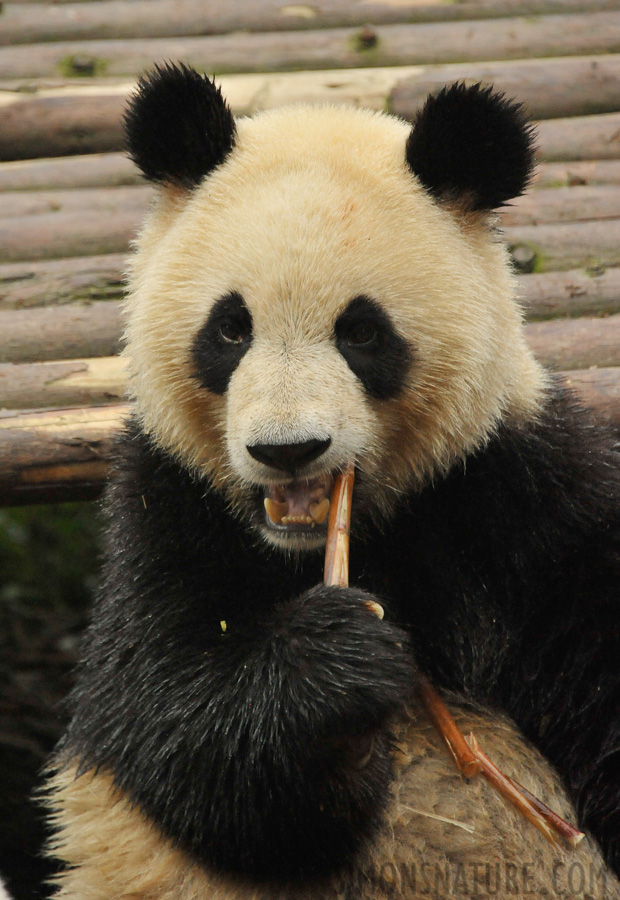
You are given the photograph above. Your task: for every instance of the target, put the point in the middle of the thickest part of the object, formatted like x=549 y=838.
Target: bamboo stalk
x=339 y=523
x=469 y=759
x=446 y=727
x=327 y=48
x=25 y=22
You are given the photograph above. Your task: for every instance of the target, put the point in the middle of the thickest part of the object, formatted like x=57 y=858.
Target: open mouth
x=299 y=506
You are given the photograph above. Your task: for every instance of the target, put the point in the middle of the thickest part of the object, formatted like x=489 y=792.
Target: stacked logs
x=70 y=202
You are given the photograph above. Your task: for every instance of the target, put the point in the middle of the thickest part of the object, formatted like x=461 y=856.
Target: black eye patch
x=222 y=342
x=372 y=348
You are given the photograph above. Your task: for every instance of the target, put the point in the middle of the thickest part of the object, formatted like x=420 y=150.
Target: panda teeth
x=319 y=510
x=297 y=520
x=275 y=510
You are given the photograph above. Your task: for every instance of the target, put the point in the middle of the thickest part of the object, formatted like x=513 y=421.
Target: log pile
x=70 y=202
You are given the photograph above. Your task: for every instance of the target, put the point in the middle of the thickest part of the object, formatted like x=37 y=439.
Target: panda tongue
x=299 y=502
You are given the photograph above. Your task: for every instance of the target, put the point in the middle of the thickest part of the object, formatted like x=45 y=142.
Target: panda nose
x=288 y=457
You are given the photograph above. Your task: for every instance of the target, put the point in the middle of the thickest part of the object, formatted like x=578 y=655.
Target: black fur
x=237 y=742
x=222 y=342
x=178 y=126
x=372 y=347
x=471 y=145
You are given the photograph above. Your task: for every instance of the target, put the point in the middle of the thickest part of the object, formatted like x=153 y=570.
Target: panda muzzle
x=299 y=504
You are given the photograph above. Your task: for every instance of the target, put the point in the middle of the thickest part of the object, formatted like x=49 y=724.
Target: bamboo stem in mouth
x=468 y=757
x=336 y=571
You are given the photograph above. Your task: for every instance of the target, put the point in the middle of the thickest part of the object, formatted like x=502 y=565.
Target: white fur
x=314 y=206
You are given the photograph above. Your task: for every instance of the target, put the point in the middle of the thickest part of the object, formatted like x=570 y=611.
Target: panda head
x=317 y=285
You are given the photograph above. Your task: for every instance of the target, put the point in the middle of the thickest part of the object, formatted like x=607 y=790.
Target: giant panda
x=316 y=286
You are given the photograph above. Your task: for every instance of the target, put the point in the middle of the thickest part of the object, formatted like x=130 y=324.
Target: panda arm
x=247 y=715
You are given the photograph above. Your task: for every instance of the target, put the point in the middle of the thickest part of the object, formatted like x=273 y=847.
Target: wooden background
x=70 y=202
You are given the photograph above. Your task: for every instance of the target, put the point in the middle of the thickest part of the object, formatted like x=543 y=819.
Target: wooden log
x=93 y=330
x=116 y=170
x=62 y=383
x=600 y=390
x=60 y=333
x=27 y=23
x=563 y=204
x=576 y=343
x=92 y=171
x=43 y=125
x=579 y=203
x=559 y=344
x=60 y=281
x=102 y=201
x=539 y=248
x=52 y=235
x=565 y=174
x=56 y=455
x=79 y=120
x=331 y=48
x=549 y=88
x=61 y=454
x=578 y=292
x=581 y=137
x=545 y=248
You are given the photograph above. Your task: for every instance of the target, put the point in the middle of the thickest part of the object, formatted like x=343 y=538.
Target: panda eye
x=233 y=332
x=361 y=334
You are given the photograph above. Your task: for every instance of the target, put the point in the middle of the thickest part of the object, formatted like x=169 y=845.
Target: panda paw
x=352 y=669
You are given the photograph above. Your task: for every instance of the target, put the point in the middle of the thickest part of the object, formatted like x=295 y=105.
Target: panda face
x=309 y=304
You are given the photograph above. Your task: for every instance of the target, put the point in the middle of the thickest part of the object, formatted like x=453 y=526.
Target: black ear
x=472 y=145
x=178 y=126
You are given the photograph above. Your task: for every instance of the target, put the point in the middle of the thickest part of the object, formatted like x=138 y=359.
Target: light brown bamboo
x=336 y=572
x=329 y=48
x=29 y=22
x=61 y=281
